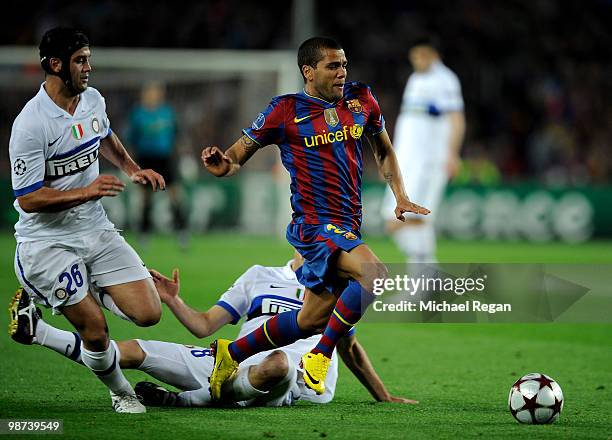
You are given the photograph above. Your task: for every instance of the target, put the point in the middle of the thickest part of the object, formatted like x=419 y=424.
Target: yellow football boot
x=315 y=371
x=225 y=367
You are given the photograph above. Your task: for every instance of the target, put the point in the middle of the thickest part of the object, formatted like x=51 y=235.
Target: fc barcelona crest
x=354 y=105
x=331 y=117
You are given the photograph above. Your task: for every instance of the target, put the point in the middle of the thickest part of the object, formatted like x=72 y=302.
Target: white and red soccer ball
x=535 y=399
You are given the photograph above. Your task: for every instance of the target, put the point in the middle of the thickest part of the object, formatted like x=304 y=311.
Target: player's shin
x=349 y=309
x=105 y=365
x=278 y=331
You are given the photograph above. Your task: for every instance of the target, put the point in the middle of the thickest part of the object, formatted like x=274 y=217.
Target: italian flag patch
x=77 y=131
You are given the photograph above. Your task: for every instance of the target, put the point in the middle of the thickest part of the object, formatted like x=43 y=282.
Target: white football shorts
x=57 y=273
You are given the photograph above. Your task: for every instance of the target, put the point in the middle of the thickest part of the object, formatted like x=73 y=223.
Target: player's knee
x=147 y=315
x=276 y=366
x=95 y=337
x=148 y=319
x=132 y=354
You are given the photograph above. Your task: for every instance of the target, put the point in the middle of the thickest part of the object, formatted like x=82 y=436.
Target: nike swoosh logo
x=316 y=382
x=298 y=120
x=272 y=286
x=68 y=347
x=51 y=143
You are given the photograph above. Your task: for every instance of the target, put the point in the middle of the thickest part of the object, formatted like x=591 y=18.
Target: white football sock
x=240 y=387
x=105 y=365
x=65 y=343
x=194 y=398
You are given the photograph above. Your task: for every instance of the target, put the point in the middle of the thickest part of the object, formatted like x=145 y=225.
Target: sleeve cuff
x=109 y=133
x=28 y=189
x=232 y=311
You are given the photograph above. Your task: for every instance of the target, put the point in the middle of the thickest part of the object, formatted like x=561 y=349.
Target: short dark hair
x=429 y=40
x=61 y=42
x=310 y=51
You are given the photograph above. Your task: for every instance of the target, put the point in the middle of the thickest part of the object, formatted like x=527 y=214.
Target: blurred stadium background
x=535 y=76
x=535 y=187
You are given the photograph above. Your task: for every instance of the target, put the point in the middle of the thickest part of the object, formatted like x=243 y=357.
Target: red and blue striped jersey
x=321 y=147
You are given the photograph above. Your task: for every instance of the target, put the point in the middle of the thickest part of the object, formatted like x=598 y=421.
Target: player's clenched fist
x=105 y=185
x=216 y=161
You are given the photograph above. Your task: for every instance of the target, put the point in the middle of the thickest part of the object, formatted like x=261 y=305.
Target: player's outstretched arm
x=53 y=200
x=356 y=359
x=228 y=163
x=113 y=150
x=200 y=324
x=389 y=168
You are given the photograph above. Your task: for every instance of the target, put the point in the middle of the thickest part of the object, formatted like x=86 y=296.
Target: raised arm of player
x=114 y=151
x=389 y=168
x=227 y=163
x=356 y=359
x=200 y=324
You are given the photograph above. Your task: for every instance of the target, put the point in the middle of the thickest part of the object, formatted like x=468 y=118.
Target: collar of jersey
x=319 y=99
x=53 y=109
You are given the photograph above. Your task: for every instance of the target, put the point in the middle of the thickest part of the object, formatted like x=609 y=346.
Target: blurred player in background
x=320 y=132
x=66 y=245
x=270 y=378
x=428 y=138
x=152 y=135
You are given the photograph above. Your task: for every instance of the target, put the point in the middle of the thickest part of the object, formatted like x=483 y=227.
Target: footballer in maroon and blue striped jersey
x=320 y=134
x=321 y=147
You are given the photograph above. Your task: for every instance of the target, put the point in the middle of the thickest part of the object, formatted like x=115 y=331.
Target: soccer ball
x=535 y=399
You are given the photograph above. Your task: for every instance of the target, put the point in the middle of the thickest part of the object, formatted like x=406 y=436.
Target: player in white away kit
x=428 y=137
x=271 y=378
x=66 y=246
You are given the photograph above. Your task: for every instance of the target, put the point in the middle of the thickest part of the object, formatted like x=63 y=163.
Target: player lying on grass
x=271 y=378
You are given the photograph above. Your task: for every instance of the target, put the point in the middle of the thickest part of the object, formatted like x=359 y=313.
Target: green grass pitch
x=461 y=373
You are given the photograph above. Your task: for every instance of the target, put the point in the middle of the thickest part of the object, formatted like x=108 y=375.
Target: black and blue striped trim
x=75 y=149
